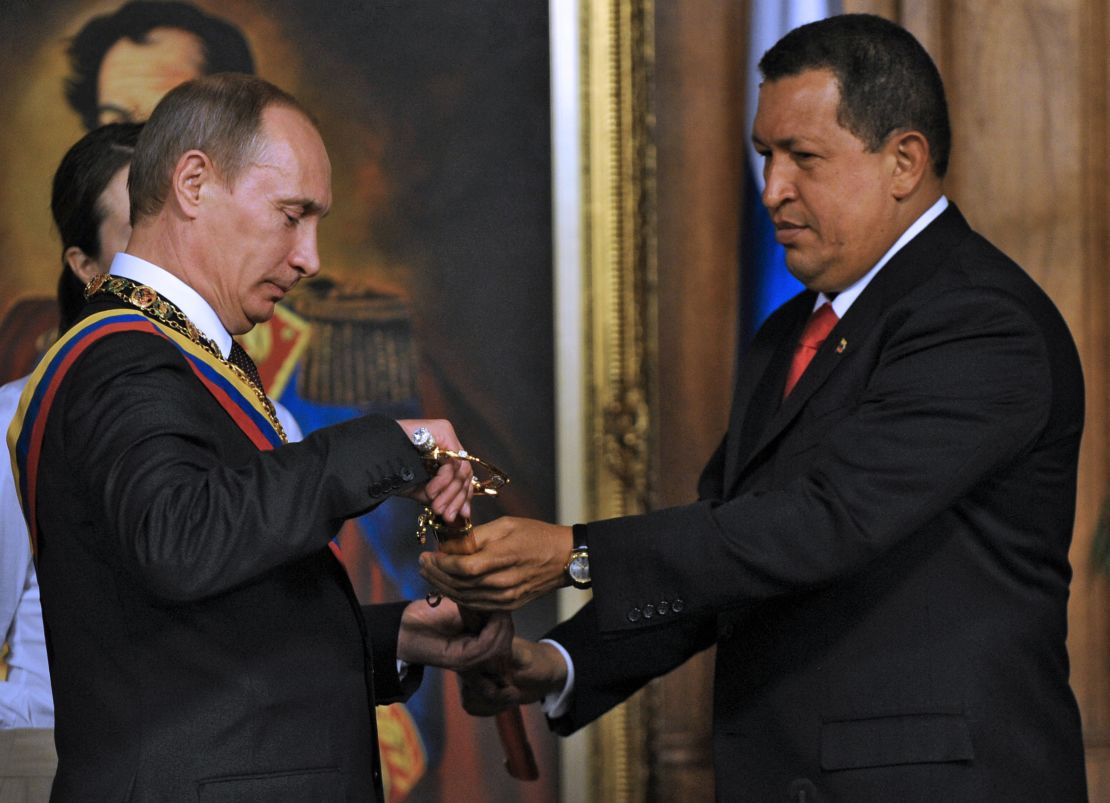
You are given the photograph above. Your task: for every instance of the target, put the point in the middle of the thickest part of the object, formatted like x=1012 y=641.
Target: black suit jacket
x=881 y=559
x=204 y=641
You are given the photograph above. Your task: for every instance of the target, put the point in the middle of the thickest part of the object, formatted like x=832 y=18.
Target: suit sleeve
x=194 y=515
x=961 y=387
x=383 y=624
x=610 y=668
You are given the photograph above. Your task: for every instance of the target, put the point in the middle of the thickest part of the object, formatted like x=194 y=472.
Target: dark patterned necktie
x=241 y=360
x=820 y=323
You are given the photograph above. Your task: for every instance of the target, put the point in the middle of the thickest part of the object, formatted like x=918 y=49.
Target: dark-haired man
x=880 y=549
x=204 y=641
x=124 y=62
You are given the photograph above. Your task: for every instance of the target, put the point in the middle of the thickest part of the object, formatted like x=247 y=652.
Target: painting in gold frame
x=438 y=250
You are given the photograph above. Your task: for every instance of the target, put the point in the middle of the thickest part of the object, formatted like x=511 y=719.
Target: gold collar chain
x=147 y=301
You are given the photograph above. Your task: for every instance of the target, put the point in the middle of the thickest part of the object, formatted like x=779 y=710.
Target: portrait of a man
x=434 y=296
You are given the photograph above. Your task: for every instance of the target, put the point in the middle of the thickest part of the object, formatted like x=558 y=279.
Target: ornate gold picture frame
x=605 y=261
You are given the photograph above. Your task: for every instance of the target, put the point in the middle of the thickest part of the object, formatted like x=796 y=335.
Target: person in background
x=880 y=547
x=92 y=215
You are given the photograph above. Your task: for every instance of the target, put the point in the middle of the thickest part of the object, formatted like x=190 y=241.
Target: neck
x=917 y=203
x=163 y=242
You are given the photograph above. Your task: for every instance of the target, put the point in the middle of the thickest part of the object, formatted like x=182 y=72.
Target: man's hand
x=448 y=492
x=436 y=637
x=536 y=670
x=514 y=562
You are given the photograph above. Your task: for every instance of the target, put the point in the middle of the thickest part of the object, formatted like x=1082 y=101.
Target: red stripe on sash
x=242 y=420
x=83 y=340
x=39 y=427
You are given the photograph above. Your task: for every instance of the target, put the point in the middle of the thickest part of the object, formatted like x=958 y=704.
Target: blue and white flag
x=765 y=282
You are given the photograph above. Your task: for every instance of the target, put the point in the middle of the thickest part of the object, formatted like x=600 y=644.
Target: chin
x=813 y=277
x=262 y=311
x=800 y=272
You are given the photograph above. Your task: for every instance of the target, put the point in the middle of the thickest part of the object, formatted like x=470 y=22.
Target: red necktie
x=820 y=323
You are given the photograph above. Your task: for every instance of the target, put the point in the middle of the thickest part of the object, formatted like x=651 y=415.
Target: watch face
x=579 y=569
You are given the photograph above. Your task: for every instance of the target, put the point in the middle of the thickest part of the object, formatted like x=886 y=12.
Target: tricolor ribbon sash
x=26 y=433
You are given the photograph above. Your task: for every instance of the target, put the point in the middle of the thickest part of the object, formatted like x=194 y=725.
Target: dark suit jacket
x=881 y=559
x=204 y=641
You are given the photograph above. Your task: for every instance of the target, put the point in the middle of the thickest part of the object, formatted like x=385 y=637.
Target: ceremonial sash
x=26 y=433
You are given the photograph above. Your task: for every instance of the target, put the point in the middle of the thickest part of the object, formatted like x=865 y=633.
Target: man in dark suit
x=879 y=551
x=204 y=641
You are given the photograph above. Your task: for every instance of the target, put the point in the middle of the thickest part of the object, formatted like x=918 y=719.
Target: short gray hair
x=220 y=115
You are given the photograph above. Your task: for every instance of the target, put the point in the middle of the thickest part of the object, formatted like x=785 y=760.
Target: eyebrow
x=308 y=206
x=111 y=107
x=787 y=143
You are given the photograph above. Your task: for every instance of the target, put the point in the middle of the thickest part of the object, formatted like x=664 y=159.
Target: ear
x=194 y=170
x=83 y=266
x=910 y=151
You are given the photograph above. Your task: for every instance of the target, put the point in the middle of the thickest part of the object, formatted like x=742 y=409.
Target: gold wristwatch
x=577 y=569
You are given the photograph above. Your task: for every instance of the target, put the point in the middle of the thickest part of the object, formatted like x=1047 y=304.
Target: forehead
x=293 y=163
x=113 y=199
x=134 y=76
x=798 y=105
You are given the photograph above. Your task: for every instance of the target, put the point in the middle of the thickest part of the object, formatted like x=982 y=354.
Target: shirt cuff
x=555 y=705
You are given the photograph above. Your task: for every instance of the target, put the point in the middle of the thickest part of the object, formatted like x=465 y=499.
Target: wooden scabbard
x=520 y=761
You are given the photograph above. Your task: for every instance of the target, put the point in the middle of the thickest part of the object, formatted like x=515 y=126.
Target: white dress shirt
x=25 y=699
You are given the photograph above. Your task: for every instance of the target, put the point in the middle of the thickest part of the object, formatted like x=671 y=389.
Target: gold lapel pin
x=843 y=344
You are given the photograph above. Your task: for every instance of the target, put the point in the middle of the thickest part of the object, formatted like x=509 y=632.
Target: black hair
x=888 y=83
x=79 y=181
x=225 y=48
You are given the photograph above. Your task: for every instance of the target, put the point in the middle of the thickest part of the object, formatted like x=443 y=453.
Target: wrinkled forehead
x=808 y=99
x=292 y=150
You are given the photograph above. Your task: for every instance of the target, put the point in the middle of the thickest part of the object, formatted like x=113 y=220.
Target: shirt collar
x=188 y=300
x=845 y=298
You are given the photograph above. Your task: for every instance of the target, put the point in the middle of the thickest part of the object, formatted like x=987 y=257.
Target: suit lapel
x=762 y=374
x=761 y=419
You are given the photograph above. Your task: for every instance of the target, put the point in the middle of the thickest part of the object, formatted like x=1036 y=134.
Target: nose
x=305 y=256
x=778 y=182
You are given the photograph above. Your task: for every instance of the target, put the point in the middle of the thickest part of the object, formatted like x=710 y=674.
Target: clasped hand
x=515 y=561
x=437 y=636
x=535 y=671
x=448 y=492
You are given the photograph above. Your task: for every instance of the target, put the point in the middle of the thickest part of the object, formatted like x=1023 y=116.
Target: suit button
x=663 y=607
x=678 y=605
x=649 y=611
x=634 y=615
x=395 y=482
x=801 y=790
x=406 y=474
